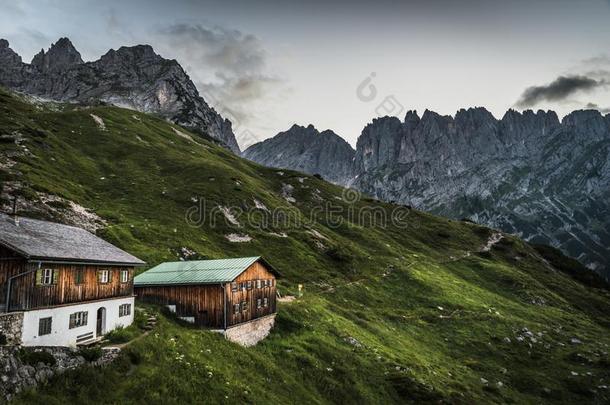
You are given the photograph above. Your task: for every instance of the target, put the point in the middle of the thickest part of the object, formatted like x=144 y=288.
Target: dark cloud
x=229 y=67
x=558 y=90
x=593 y=106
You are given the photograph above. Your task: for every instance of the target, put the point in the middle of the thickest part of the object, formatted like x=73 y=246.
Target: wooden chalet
x=67 y=285
x=216 y=294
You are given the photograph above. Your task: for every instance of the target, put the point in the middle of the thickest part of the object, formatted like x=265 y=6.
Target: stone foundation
x=250 y=333
x=11 y=327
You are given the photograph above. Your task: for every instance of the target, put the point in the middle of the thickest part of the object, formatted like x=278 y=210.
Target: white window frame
x=124 y=276
x=124 y=310
x=47 y=277
x=80 y=319
x=258 y=284
x=259 y=303
x=104 y=276
x=265 y=302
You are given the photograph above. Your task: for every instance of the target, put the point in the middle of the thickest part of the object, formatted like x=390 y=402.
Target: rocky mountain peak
x=131 y=55
x=60 y=55
x=589 y=123
x=131 y=77
x=8 y=57
x=307 y=150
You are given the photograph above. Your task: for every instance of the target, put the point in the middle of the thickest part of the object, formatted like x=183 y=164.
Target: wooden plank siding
x=202 y=302
x=256 y=271
x=10 y=265
x=25 y=294
x=206 y=303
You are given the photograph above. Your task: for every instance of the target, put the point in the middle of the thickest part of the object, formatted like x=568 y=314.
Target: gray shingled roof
x=42 y=240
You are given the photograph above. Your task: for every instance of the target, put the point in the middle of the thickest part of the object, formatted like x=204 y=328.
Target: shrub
x=134 y=357
x=120 y=335
x=91 y=353
x=33 y=357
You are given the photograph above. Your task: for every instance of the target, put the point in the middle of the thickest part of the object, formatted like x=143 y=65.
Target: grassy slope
x=428 y=327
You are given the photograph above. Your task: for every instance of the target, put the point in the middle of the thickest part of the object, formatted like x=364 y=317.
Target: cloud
x=559 y=89
x=593 y=106
x=228 y=66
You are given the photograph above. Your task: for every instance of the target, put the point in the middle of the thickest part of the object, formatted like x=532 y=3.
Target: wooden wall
x=26 y=295
x=206 y=302
x=10 y=265
x=203 y=302
x=257 y=271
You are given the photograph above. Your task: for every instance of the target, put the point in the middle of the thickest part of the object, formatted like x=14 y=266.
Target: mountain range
x=131 y=77
x=530 y=174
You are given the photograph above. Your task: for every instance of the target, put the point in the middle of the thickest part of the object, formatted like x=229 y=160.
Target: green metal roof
x=197 y=271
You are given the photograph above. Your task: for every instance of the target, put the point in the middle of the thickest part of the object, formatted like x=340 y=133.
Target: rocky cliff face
x=306 y=150
x=527 y=173
x=133 y=77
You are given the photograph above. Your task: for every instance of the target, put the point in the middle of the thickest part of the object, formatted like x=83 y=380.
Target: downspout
x=10 y=281
x=224 y=295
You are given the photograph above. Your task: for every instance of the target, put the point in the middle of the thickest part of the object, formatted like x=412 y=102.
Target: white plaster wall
x=61 y=334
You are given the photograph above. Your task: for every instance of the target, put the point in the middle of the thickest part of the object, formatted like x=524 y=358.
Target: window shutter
x=109 y=276
x=39 y=273
x=54 y=276
x=72 y=320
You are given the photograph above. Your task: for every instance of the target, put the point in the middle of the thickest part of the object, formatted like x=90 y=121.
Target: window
x=249 y=285
x=124 y=310
x=258 y=284
x=244 y=306
x=271 y=282
x=79 y=276
x=103 y=276
x=265 y=302
x=242 y=286
x=124 y=276
x=266 y=283
x=78 y=319
x=44 y=326
x=236 y=309
x=258 y=303
x=46 y=277
x=234 y=287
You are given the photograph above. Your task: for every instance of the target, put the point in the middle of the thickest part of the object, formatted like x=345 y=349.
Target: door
x=101 y=321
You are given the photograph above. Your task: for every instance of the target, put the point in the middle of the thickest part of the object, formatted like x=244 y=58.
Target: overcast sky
x=338 y=64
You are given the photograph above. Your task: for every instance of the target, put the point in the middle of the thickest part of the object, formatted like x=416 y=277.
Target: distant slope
x=528 y=174
x=306 y=150
x=419 y=309
x=132 y=77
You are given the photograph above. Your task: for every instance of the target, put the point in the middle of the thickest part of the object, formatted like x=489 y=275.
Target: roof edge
x=90 y=262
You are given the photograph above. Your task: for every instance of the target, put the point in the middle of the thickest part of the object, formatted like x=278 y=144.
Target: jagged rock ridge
x=307 y=150
x=132 y=77
x=528 y=173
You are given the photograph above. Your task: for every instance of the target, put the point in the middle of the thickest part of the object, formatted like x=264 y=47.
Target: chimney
x=14 y=216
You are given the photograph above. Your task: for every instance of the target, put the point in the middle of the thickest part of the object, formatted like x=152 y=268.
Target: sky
x=267 y=65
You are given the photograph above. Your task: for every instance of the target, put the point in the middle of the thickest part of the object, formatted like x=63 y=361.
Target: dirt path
x=493 y=239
